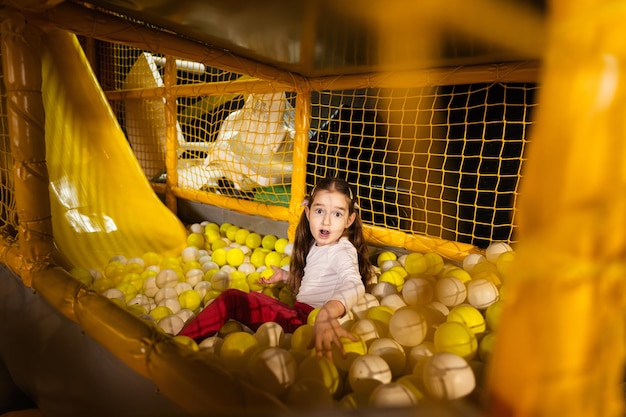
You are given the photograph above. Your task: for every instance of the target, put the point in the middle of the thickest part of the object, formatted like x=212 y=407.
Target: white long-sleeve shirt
x=331 y=273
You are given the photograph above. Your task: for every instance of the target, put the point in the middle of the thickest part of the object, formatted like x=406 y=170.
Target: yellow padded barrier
x=560 y=349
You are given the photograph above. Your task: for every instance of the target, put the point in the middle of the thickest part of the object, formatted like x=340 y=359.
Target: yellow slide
x=102 y=203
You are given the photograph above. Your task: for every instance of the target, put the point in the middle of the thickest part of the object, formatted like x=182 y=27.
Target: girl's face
x=329 y=216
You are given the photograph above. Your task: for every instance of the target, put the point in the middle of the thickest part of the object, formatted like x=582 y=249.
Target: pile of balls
x=424 y=329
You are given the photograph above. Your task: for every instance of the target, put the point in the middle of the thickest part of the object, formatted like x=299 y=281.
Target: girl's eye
x=318 y=211
x=338 y=214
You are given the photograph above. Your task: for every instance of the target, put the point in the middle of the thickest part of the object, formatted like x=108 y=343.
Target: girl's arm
x=328 y=331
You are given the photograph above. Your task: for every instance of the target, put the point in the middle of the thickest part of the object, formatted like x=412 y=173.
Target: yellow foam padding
x=102 y=204
x=560 y=347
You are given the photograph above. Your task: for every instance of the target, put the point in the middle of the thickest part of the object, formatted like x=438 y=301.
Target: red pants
x=249 y=308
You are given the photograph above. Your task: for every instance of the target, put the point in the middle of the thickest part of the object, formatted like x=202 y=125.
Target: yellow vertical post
x=22 y=78
x=171 y=138
x=300 y=151
x=560 y=343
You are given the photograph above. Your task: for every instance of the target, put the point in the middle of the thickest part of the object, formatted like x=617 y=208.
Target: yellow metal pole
x=300 y=150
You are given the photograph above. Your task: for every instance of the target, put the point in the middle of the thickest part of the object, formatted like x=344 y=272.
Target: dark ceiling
x=330 y=37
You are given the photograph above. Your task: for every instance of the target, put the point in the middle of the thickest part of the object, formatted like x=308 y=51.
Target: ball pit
x=420 y=317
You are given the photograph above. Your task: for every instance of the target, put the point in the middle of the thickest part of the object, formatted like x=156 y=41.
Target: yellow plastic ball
x=457 y=338
x=321 y=369
x=258 y=258
x=268 y=242
x=280 y=244
x=195 y=239
x=241 y=235
x=273 y=258
x=211 y=235
x=234 y=257
x=253 y=240
x=231 y=232
x=219 y=256
x=224 y=227
x=190 y=299
x=393 y=278
x=352 y=348
x=469 y=316
x=385 y=256
x=415 y=263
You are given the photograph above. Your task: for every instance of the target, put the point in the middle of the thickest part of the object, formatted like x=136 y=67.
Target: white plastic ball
x=202 y=288
x=171 y=303
x=481 y=293
x=388 y=264
x=448 y=376
x=140 y=299
x=207 y=266
x=496 y=249
x=185 y=314
x=114 y=293
x=382 y=289
x=163 y=293
x=363 y=304
x=247 y=268
x=471 y=260
x=181 y=287
x=392 y=395
x=211 y=344
x=366 y=329
x=171 y=324
x=367 y=372
x=194 y=276
x=393 y=301
x=166 y=278
x=190 y=254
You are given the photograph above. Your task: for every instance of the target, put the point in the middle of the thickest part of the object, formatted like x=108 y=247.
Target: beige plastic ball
x=408 y=327
x=392 y=352
x=270 y=334
x=366 y=329
x=393 y=301
x=450 y=291
x=273 y=370
x=417 y=291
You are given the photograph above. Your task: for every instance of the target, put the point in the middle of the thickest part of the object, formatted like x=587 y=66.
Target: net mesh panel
x=8 y=211
x=444 y=161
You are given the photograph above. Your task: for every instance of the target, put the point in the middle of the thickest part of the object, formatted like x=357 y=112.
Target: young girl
x=329 y=269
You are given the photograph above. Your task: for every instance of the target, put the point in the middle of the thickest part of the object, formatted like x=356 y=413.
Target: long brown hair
x=304 y=239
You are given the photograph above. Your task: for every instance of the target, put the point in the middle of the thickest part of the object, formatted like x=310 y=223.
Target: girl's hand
x=279 y=275
x=328 y=331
